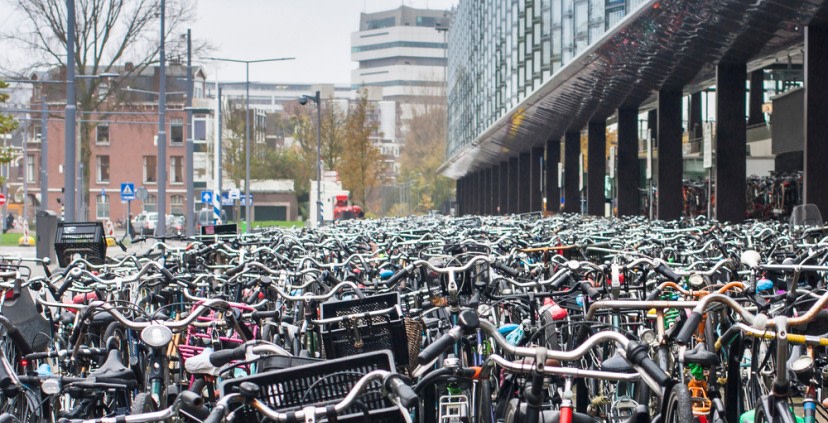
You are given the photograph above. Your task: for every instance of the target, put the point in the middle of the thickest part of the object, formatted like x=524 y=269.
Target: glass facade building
x=499 y=51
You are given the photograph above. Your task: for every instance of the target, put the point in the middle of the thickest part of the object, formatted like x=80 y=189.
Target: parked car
x=205 y=218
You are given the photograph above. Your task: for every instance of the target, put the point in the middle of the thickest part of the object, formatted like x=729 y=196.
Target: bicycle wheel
x=677 y=406
x=24 y=406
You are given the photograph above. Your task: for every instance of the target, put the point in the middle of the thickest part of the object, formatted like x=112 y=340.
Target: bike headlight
x=156 y=336
x=802 y=364
x=50 y=386
x=696 y=280
x=648 y=336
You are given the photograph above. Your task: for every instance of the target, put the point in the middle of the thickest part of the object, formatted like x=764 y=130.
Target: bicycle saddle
x=617 y=364
x=701 y=356
x=200 y=364
x=102 y=318
x=113 y=368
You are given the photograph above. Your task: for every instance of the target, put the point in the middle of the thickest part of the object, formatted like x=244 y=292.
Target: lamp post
x=70 y=112
x=247 y=63
x=316 y=99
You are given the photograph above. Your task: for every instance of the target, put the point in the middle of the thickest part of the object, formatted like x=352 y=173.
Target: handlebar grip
x=434 y=349
x=167 y=275
x=505 y=269
x=217 y=415
x=222 y=357
x=396 y=277
x=689 y=328
x=191 y=399
x=265 y=314
x=589 y=290
x=232 y=272
x=637 y=355
x=665 y=270
x=565 y=279
x=408 y=398
x=653 y=295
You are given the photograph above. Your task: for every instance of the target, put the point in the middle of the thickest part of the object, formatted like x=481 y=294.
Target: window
x=429 y=21
x=103 y=168
x=199 y=129
x=150 y=166
x=380 y=23
x=177 y=204
x=30 y=168
x=102 y=207
x=176 y=169
x=102 y=133
x=176 y=131
x=151 y=204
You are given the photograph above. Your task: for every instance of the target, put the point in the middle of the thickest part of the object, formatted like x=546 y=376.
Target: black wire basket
x=323 y=383
x=364 y=334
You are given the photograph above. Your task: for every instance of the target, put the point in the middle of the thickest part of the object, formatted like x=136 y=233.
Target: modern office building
x=531 y=81
x=401 y=56
x=501 y=51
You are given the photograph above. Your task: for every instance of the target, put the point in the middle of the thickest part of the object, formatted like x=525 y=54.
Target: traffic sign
x=206 y=197
x=2 y=199
x=234 y=194
x=142 y=194
x=127 y=191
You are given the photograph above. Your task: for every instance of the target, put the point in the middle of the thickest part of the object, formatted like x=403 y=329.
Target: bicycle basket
x=361 y=335
x=319 y=384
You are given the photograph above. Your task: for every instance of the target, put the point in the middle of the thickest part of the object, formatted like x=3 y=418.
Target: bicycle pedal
x=454 y=409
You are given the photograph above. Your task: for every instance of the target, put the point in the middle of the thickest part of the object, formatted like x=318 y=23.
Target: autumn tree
x=361 y=168
x=7 y=125
x=107 y=33
x=332 y=135
x=423 y=153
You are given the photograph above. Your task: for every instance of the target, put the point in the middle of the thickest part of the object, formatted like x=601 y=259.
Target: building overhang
x=662 y=45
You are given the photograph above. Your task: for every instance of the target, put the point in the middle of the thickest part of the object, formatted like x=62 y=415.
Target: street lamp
x=303 y=101
x=247 y=63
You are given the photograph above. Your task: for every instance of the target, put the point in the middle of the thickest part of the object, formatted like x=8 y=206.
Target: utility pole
x=71 y=111
x=161 y=227
x=189 y=218
x=44 y=154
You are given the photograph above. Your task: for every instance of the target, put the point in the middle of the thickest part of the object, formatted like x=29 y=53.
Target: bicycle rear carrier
x=364 y=334
x=322 y=383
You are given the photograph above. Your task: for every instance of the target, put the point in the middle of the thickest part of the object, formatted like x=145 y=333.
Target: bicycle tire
x=143 y=403
x=678 y=407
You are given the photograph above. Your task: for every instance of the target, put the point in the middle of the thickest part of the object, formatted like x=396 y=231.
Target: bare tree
x=108 y=33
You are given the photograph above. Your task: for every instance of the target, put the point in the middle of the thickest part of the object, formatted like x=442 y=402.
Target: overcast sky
x=316 y=32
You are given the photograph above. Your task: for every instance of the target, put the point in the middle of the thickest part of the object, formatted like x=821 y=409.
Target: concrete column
x=524 y=180
x=535 y=179
x=597 y=166
x=553 y=157
x=816 y=117
x=670 y=165
x=629 y=169
x=503 y=188
x=757 y=97
x=477 y=189
x=572 y=148
x=458 y=195
x=730 y=142
x=514 y=185
x=486 y=184
x=695 y=115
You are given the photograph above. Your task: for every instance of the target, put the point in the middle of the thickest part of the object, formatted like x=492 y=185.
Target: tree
x=235 y=147
x=107 y=33
x=424 y=152
x=7 y=125
x=361 y=168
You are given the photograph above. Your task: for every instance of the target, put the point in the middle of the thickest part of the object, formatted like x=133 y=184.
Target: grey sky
x=316 y=32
